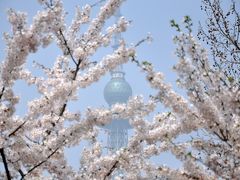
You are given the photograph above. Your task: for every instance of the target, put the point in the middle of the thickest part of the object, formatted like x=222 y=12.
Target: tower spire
x=116 y=39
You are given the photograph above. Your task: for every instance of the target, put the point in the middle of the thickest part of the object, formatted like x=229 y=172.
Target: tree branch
x=66 y=45
x=3 y=89
x=111 y=170
x=21 y=173
x=223 y=139
x=40 y=163
x=19 y=127
x=5 y=164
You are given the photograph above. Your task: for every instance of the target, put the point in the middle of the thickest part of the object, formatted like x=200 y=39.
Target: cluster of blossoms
x=32 y=146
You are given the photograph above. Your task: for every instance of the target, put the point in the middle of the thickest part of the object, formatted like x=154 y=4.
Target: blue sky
x=146 y=16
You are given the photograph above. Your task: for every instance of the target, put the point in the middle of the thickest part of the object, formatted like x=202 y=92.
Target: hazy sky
x=147 y=16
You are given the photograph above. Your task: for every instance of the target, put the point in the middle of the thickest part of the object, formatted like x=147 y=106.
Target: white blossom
x=33 y=144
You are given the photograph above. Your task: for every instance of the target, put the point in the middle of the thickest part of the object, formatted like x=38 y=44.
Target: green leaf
x=146 y=63
x=230 y=79
x=175 y=25
x=169 y=113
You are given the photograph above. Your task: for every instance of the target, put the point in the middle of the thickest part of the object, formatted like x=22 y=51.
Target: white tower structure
x=117 y=90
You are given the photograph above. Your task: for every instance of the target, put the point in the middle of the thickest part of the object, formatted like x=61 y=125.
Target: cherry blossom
x=32 y=146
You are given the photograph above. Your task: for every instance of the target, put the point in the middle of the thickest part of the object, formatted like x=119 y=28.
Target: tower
x=117 y=90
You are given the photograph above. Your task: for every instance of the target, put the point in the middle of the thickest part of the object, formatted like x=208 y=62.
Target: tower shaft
x=117 y=138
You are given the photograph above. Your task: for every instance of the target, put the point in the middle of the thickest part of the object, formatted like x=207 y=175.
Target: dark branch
x=21 y=125
x=63 y=109
x=3 y=89
x=21 y=173
x=5 y=164
x=223 y=139
x=111 y=170
x=40 y=163
x=18 y=128
x=66 y=45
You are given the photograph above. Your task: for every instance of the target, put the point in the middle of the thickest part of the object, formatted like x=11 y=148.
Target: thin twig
x=223 y=139
x=15 y=130
x=40 y=163
x=97 y=3
x=68 y=48
x=140 y=42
